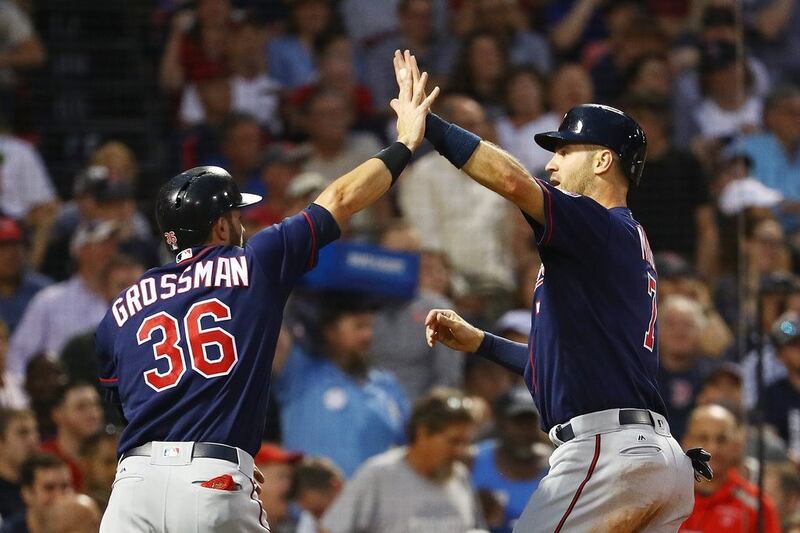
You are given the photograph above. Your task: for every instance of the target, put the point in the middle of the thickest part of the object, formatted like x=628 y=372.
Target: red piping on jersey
x=109 y=380
x=313 y=256
x=532 y=361
x=197 y=256
x=583 y=484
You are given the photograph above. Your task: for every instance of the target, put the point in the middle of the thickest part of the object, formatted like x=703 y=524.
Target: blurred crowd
x=369 y=428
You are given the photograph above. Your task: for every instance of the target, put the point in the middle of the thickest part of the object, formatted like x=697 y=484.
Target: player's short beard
x=236 y=233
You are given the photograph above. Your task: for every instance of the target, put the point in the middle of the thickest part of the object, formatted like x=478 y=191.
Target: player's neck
x=609 y=195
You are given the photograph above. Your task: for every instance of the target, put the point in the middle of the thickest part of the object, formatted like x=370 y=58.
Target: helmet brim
x=249 y=199
x=551 y=140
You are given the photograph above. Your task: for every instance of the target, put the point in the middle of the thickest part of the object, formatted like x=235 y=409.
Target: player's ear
x=220 y=231
x=603 y=160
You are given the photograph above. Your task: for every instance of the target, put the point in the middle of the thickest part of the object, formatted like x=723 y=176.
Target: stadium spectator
x=334 y=149
x=775 y=36
x=506 y=20
x=100 y=195
x=775 y=152
x=632 y=39
x=570 y=85
x=575 y=24
x=77 y=416
x=98 y=458
x=336 y=59
x=18 y=283
x=286 y=191
x=44 y=479
x=252 y=91
x=480 y=69
x=727 y=503
x=241 y=150
x=782 y=398
x=470 y=224
x=65 y=309
x=422 y=487
x=672 y=201
x=291 y=57
x=44 y=380
x=782 y=485
x=435 y=51
x=277 y=465
x=338 y=389
x=12 y=392
x=395 y=343
x=524 y=92
x=74 y=513
x=507 y=469
x=197 y=44
x=20 y=50
x=19 y=439
x=683 y=368
x=317 y=483
x=649 y=74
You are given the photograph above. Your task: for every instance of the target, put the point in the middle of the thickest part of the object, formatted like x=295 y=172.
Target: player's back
x=189 y=347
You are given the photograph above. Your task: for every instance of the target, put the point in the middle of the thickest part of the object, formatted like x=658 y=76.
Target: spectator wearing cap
x=727 y=503
x=316 y=485
x=321 y=393
x=672 y=201
x=285 y=189
x=100 y=195
x=422 y=487
x=396 y=345
x=737 y=189
x=65 y=309
x=508 y=469
x=277 y=465
x=18 y=284
x=775 y=152
x=242 y=142
x=782 y=398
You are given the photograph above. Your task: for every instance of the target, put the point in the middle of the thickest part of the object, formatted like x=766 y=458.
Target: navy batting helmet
x=190 y=203
x=605 y=126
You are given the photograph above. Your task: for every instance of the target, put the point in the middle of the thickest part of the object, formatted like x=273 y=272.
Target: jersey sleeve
x=574 y=224
x=104 y=350
x=288 y=250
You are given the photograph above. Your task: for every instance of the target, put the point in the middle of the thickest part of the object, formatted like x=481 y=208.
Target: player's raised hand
x=447 y=327
x=411 y=104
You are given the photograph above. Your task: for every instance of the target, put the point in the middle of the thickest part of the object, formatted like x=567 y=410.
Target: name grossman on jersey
x=217 y=272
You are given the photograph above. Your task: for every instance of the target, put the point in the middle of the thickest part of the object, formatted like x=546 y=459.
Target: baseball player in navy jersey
x=187 y=351
x=591 y=358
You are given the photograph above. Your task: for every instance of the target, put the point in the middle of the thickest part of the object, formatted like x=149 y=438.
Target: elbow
x=513 y=187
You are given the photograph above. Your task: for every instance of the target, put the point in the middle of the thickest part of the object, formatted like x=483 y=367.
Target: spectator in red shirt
x=728 y=503
x=78 y=416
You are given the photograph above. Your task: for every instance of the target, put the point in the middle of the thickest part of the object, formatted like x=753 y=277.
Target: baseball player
x=591 y=358
x=187 y=351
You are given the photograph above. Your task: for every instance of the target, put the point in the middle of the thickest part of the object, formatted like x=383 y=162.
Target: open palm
x=411 y=104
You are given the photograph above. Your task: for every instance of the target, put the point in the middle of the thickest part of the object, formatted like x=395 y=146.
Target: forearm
x=359 y=188
x=771 y=21
x=506 y=353
x=487 y=164
x=566 y=33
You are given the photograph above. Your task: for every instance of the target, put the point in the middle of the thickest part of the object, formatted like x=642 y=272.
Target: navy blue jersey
x=594 y=338
x=188 y=349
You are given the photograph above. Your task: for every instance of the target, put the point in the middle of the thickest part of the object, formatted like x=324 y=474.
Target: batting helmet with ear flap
x=190 y=203
x=605 y=126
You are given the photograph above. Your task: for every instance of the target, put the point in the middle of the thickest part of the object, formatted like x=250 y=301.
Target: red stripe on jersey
x=583 y=484
x=109 y=380
x=312 y=258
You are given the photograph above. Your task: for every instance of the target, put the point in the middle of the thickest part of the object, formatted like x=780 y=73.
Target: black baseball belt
x=207 y=450
x=626 y=416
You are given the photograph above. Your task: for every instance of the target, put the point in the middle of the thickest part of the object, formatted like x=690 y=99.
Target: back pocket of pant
x=641 y=449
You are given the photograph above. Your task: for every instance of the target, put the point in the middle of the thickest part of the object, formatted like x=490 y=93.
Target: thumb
x=395 y=105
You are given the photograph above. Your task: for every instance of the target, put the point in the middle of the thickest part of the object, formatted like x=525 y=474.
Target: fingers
x=428 y=102
x=411 y=63
x=419 y=89
x=403 y=76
